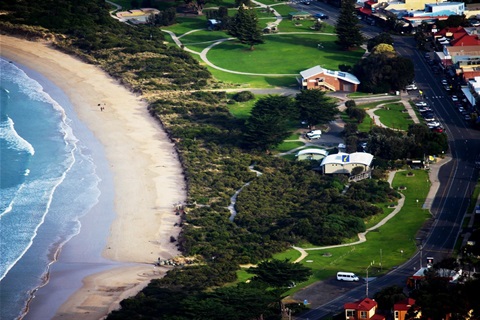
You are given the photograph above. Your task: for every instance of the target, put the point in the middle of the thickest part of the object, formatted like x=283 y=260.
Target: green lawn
x=282 y=54
x=394 y=116
x=383 y=247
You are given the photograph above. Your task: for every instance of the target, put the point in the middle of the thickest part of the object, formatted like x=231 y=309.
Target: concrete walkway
x=376 y=119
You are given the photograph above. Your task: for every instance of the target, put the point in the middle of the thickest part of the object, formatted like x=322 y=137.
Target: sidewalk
x=433 y=175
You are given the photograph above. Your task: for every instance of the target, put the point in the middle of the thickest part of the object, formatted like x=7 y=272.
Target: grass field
x=394 y=116
x=282 y=54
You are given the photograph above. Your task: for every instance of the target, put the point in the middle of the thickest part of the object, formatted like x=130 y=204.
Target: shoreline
x=107 y=262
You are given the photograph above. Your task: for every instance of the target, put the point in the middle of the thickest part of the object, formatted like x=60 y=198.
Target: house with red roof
x=401 y=308
x=364 y=309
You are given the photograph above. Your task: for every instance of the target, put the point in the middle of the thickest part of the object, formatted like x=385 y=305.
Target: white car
x=461 y=109
x=314 y=136
x=421 y=104
x=411 y=87
x=309 y=134
x=444 y=82
x=454 y=98
x=433 y=124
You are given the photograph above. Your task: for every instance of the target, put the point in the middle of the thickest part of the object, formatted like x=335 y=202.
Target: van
x=347 y=276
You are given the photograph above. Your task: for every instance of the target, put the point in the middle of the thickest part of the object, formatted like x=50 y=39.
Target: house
x=323 y=79
x=344 y=163
x=364 y=309
x=136 y=16
x=401 y=308
x=311 y=154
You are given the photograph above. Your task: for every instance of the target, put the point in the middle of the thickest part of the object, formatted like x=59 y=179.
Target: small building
x=213 y=24
x=299 y=15
x=364 y=309
x=323 y=79
x=344 y=163
x=312 y=154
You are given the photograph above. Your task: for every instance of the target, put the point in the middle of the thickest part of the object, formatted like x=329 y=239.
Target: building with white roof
x=344 y=163
x=311 y=154
x=323 y=79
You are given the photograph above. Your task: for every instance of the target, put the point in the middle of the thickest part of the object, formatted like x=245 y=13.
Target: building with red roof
x=364 y=309
x=401 y=308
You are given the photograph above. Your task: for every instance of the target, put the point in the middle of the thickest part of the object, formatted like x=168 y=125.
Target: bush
x=350 y=104
x=243 y=96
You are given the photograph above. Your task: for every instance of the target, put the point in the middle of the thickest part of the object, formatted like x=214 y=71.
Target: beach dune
x=147 y=177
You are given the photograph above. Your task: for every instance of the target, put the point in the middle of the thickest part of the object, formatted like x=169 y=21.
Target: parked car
x=438 y=129
x=412 y=86
x=445 y=82
x=315 y=136
x=311 y=133
x=461 y=109
x=424 y=109
x=421 y=104
x=320 y=15
x=447 y=87
x=433 y=124
x=429 y=118
x=454 y=98
x=467 y=117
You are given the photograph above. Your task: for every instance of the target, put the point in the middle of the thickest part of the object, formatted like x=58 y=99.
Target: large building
x=344 y=163
x=323 y=79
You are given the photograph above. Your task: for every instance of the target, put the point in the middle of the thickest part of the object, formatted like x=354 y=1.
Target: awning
x=468 y=95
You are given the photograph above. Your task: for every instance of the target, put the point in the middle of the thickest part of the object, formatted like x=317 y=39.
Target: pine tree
x=245 y=27
x=347 y=28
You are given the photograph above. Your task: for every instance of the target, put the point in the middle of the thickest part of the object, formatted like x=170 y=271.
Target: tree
x=388 y=296
x=196 y=5
x=278 y=273
x=383 y=37
x=268 y=124
x=384 y=48
x=245 y=27
x=384 y=72
x=315 y=107
x=347 y=28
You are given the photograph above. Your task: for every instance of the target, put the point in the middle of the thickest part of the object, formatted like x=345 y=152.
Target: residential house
x=364 y=309
x=344 y=163
x=311 y=154
x=323 y=79
x=136 y=16
x=401 y=308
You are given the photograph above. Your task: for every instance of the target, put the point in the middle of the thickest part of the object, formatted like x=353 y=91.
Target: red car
x=438 y=129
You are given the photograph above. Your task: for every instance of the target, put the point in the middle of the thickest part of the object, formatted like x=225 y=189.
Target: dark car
x=321 y=16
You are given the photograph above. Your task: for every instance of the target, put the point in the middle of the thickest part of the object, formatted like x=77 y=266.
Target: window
x=396 y=315
x=350 y=313
x=363 y=314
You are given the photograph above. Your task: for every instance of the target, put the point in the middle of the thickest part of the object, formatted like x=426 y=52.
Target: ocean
x=49 y=180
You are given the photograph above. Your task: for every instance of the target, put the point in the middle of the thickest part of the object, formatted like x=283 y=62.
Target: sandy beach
x=147 y=180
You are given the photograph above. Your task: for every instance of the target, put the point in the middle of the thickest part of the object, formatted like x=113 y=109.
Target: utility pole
x=366 y=289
